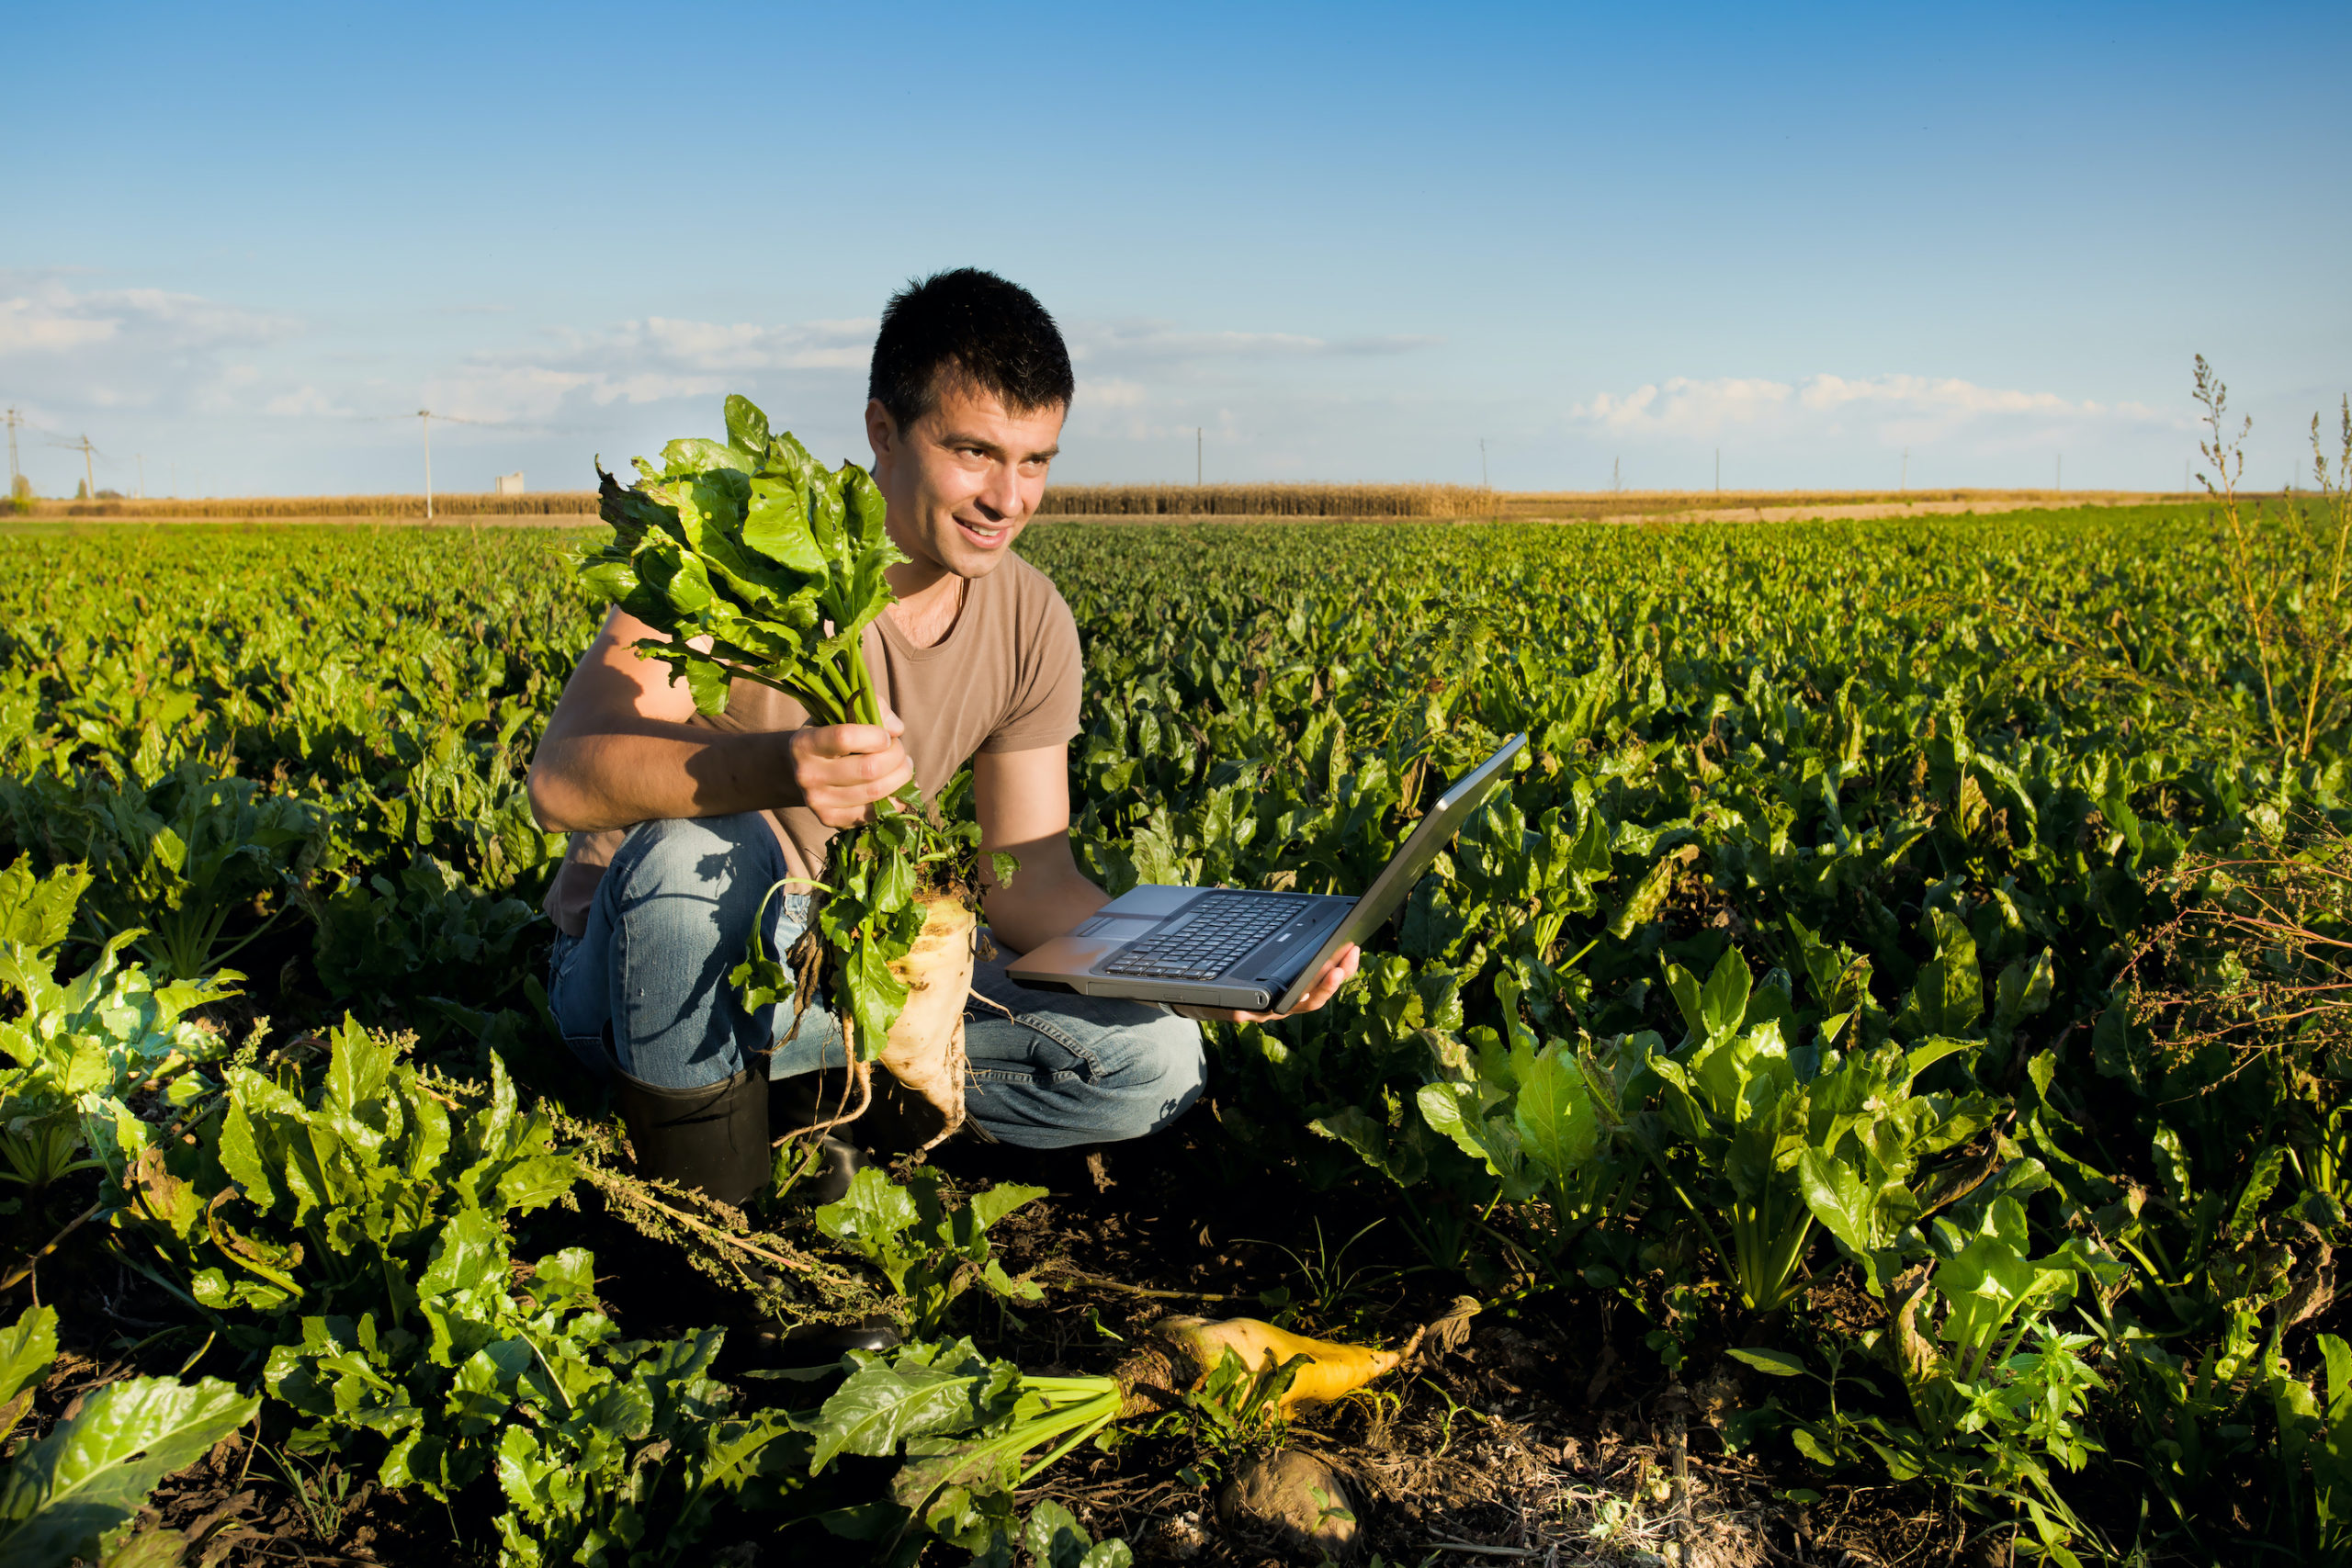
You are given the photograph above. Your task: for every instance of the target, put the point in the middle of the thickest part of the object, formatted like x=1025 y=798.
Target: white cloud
x=1111 y=392
x=43 y=316
x=707 y=346
x=33 y=326
x=306 y=401
x=127 y=347
x=1895 y=411
x=648 y=361
x=1156 y=343
x=1146 y=380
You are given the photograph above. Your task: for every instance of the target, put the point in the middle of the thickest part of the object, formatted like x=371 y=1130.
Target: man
x=681 y=824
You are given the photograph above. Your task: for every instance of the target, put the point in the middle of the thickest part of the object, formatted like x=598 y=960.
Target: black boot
x=803 y=1100
x=714 y=1138
x=817 y=1345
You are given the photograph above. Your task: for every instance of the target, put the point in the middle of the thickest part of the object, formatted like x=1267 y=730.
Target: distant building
x=510 y=484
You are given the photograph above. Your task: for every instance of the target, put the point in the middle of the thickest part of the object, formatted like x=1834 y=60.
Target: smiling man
x=681 y=824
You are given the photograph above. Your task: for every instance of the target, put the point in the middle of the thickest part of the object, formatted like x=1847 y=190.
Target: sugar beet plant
x=758 y=564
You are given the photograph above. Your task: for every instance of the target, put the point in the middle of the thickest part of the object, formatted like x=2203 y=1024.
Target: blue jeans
x=645 y=990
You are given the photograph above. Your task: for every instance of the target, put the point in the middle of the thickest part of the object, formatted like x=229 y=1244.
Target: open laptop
x=1233 y=948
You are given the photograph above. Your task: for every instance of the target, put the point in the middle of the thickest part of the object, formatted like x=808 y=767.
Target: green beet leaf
x=1558 y=1127
x=91 y=1473
x=883 y=1404
x=27 y=1348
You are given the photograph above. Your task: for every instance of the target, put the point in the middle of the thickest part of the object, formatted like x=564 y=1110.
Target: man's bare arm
x=618 y=750
x=1023 y=802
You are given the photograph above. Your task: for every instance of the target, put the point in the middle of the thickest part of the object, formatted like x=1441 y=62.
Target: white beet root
x=925 y=1056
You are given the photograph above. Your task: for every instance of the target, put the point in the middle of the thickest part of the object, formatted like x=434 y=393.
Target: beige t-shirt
x=1007 y=677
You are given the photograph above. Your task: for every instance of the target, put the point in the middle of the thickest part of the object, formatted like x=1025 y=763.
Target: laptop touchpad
x=1151 y=900
x=1111 y=927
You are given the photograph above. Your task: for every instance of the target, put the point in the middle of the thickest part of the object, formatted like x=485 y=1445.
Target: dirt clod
x=1291 y=1500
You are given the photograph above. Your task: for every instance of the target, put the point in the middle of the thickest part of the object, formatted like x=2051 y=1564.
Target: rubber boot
x=823 y=1344
x=803 y=1100
x=714 y=1139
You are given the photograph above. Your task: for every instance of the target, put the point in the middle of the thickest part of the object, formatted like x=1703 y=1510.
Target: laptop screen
x=1422 y=846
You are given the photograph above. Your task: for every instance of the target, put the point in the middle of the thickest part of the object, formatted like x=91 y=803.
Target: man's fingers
x=1336 y=974
x=835 y=741
x=841 y=768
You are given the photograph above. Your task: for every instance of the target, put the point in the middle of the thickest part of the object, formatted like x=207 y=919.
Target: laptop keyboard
x=1213 y=933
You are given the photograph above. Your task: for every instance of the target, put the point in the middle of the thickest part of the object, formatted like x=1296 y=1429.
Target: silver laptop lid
x=1435 y=829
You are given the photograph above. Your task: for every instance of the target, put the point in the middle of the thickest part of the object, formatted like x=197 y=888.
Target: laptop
x=1227 y=947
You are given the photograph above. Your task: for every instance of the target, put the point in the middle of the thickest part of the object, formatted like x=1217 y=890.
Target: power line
x=89 y=474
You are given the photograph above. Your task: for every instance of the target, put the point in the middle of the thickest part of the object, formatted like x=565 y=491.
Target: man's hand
x=841 y=770
x=1340 y=970
x=622 y=748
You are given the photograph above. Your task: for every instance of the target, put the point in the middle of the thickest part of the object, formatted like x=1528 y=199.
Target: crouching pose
x=681 y=824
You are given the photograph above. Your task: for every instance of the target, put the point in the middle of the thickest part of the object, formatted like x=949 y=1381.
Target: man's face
x=962 y=479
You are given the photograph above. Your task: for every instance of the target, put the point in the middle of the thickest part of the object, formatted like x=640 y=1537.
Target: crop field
x=1224 y=501
x=1872 y=1084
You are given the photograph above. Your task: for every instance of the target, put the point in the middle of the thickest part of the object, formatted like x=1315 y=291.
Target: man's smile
x=987 y=535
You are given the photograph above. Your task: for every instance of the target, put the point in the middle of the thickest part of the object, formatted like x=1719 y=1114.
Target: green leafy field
x=1773 y=1016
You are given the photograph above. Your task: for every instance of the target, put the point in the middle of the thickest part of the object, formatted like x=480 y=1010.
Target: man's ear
x=881 y=431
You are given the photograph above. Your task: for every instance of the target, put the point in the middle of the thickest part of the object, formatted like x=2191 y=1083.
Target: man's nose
x=1000 y=496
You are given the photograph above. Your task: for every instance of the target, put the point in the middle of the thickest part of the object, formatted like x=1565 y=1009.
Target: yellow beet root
x=1333 y=1371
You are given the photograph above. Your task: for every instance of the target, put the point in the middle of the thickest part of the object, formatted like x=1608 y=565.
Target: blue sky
x=1345 y=241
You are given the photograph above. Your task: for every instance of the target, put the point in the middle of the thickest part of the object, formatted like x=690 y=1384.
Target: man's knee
x=681 y=890
x=1161 y=1073
x=692 y=855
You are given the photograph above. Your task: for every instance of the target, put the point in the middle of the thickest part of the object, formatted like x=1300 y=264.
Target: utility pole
x=1196 y=456
x=13 y=419
x=1483 y=482
x=1616 y=476
x=141 y=458
x=427 y=416
x=89 y=474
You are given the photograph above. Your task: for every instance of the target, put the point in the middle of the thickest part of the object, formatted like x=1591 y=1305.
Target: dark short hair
x=973 y=325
